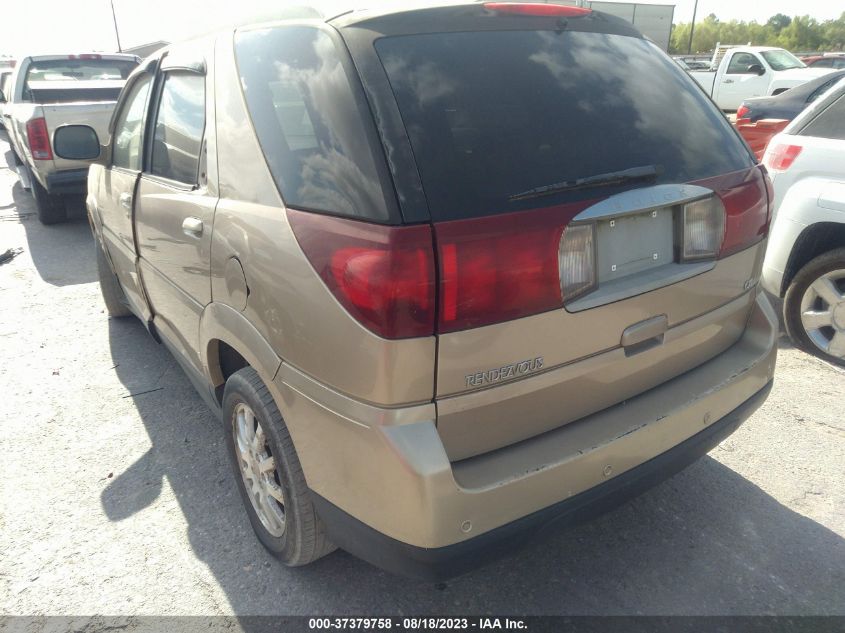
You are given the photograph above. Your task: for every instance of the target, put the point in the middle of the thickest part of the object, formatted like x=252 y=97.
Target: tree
x=779 y=22
x=799 y=33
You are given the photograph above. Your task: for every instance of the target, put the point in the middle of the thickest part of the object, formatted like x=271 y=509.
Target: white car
x=805 y=261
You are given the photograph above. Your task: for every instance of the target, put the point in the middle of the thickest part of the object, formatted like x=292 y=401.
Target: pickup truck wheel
x=268 y=473
x=51 y=208
x=814 y=307
x=110 y=288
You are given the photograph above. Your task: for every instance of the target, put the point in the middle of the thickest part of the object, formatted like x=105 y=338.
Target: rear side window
x=179 y=127
x=493 y=114
x=308 y=121
x=830 y=123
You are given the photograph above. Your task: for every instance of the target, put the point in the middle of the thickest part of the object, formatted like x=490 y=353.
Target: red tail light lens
x=500 y=267
x=529 y=8
x=781 y=156
x=39 y=139
x=382 y=275
x=741 y=112
x=747 y=212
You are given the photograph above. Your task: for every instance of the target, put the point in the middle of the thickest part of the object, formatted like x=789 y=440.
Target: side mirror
x=76 y=142
x=756 y=69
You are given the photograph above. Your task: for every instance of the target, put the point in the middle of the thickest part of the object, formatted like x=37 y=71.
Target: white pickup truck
x=754 y=71
x=47 y=92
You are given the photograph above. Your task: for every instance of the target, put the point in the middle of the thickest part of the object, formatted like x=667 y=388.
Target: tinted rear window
x=79 y=69
x=308 y=121
x=493 y=114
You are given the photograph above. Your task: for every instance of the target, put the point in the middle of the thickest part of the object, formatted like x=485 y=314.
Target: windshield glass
x=782 y=60
x=491 y=114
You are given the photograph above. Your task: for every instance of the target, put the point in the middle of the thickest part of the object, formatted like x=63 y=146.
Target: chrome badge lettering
x=499 y=374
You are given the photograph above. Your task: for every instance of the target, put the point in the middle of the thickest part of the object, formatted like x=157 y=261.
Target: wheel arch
x=816 y=239
x=230 y=342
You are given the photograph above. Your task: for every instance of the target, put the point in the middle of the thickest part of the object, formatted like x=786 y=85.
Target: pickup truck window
x=179 y=127
x=740 y=63
x=129 y=129
x=308 y=121
x=40 y=74
x=830 y=123
x=782 y=60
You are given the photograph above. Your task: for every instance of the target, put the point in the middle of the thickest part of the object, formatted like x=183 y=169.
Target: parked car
x=835 y=61
x=759 y=119
x=46 y=92
x=805 y=262
x=5 y=75
x=753 y=71
x=423 y=350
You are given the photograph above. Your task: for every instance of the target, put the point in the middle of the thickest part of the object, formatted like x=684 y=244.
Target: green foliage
x=799 y=33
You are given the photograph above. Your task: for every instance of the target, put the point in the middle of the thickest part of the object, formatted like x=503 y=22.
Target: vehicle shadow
x=63 y=254
x=707 y=541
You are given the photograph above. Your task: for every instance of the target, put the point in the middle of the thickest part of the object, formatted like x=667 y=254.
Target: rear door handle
x=192 y=227
x=126 y=201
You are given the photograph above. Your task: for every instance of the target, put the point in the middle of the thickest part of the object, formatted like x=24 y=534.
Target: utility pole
x=691 y=27
x=117 y=35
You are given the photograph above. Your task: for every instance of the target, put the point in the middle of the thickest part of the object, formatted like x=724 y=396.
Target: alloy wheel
x=258 y=470
x=823 y=313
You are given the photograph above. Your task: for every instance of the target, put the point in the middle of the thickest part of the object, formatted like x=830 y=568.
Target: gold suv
x=448 y=275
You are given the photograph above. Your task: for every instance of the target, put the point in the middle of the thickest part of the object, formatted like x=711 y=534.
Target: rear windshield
x=79 y=69
x=494 y=114
x=43 y=75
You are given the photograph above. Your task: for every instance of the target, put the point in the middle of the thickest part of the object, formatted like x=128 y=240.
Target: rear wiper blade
x=645 y=172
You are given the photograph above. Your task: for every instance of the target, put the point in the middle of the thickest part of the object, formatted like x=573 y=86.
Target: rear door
x=598 y=224
x=117 y=187
x=173 y=207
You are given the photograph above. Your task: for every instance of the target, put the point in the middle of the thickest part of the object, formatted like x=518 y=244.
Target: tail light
x=742 y=111
x=747 y=212
x=39 y=139
x=382 y=275
x=532 y=8
x=501 y=267
x=577 y=260
x=781 y=156
x=703 y=223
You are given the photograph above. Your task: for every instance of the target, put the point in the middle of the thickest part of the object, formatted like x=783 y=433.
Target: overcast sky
x=62 y=25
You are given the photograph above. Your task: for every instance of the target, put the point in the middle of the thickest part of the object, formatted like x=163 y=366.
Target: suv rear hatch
x=598 y=225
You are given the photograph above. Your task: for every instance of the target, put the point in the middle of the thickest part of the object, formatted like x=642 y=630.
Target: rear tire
x=816 y=291
x=288 y=525
x=51 y=208
x=113 y=295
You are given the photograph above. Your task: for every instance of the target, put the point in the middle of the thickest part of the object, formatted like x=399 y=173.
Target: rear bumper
x=440 y=563
x=71 y=181
x=387 y=491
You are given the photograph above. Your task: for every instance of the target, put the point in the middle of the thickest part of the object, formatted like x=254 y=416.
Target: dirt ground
x=117 y=497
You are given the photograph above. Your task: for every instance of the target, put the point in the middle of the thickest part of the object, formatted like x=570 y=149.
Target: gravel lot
x=117 y=496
